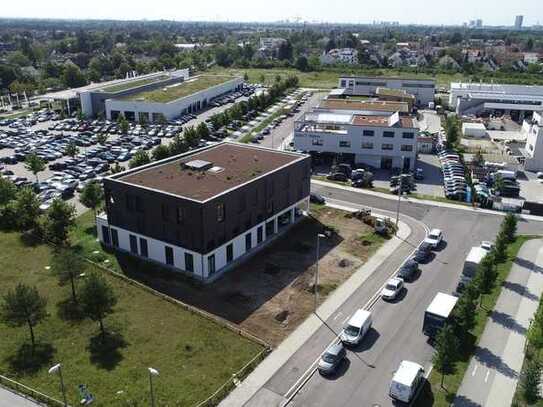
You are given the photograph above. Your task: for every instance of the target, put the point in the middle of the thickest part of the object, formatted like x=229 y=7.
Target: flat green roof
x=133 y=84
x=179 y=90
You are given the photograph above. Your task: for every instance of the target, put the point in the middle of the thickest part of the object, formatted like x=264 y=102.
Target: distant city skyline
x=345 y=11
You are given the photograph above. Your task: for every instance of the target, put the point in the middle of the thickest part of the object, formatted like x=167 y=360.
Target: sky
x=492 y=12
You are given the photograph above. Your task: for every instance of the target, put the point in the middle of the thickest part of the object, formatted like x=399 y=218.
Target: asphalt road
x=364 y=378
x=9 y=399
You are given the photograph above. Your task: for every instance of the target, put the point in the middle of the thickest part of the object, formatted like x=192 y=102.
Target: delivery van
x=356 y=328
x=406 y=381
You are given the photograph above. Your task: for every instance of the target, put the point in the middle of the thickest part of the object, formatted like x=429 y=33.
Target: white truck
x=406 y=381
x=438 y=313
x=473 y=259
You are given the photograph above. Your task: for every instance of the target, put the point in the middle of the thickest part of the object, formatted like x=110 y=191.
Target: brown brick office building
x=203 y=211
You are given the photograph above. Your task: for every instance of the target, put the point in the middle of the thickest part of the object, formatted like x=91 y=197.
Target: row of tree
x=456 y=334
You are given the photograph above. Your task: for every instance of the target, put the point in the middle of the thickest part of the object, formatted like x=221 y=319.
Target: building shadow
x=520 y=289
x=28 y=361
x=490 y=360
x=105 y=351
x=507 y=321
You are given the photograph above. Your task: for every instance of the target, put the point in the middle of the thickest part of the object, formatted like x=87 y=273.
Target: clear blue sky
x=493 y=12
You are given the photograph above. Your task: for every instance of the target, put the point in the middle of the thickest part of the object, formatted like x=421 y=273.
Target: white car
x=434 y=238
x=392 y=288
x=485 y=244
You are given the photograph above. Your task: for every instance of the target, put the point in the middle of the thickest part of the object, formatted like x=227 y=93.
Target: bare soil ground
x=272 y=293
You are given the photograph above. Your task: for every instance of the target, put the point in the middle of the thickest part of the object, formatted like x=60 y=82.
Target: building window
x=389 y=134
x=133 y=244
x=229 y=252
x=343 y=83
x=105 y=235
x=317 y=142
x=248 y=242
x=259 y=234
x=144 y=251
x=189 y=262
x=114 y=237
x=180 y=216
x=168 y=251
x=220 y=212
x=211 y=265
x=406 y=148
x=367 y=146
x=368 y=133
x=408 y=135
x=387 y=146
x=345 y=144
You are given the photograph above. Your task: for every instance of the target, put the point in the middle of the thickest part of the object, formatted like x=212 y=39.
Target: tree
x=71 y=149
x=530 y=380
x=123 y=124
x=27 y=208
x=478 y=158
x=202 y=130
x=91 y=196
x=35 y=164
x=67 y=266
x=59 y=219
x=140 y=158
x=509 y=227
x=500 y=248
x=117 y=168
x=446 y=351
x=72 y=76
x=262 y=79
x=24 y=306
x=499 y=183
x=191 y=136
x=160 y=152
x=8 y=191
x=102 y=138
x=97 y=299
x=535 y=333
x=452 y=131
x=246 y=77
x=465 y=311
x=486 y=275
x=178 y=146
x=302 y=64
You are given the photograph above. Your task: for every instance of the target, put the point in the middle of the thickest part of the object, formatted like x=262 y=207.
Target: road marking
x=474 y=370
x=487 y=374
x=346 y=319
x=338 y=315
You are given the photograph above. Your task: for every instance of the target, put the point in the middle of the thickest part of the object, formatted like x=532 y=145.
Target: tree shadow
x=520 y=289
x=105 y=351
x=462 y=401
x=30 y=238
x=424 y=398
x=528 y=264
x=70 y=311
x=507 y=321
x=91 y=231
x=29 y=361
x=489 y=359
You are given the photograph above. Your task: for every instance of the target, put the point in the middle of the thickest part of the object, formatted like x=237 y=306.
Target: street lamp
x=399 y=194
x=152 y=372
x=319 y=236
x=55 y=369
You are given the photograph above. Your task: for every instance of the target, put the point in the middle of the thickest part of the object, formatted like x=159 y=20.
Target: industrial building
x=518 y=101
x=376 y=139
x=422 y=89
x=533 y=151
x=202 y=212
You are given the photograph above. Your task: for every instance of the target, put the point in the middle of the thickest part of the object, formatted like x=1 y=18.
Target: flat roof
x=388 y=77
x=406 y=373
x=179 y=90
x=230 y=166
x=442 y=304
x=382 y=121
x=133 y=84
x=379 y=106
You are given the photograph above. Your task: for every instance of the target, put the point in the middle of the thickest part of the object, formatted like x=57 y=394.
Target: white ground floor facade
x=204 y=267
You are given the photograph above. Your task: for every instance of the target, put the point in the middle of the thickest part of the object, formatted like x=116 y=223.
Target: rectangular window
x=114 y=237
x=189 y=262
x=220 y=212
x=389 y=134
x=133 y=244
x=406 y=148
x=259 y=234
x=345 y=144
x=168 y=251
x=211 y=265
x=387 y=146
x=366 y=146
x=229 y=253
x=317 y=142
x=144 y=250
x=105 y=235
x=180 y=216
x=248 y=242
x=368 y=133
x=343 y=83
x=408 y=135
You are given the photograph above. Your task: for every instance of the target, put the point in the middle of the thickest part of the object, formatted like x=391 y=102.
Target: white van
x=356 y=328
x=406 y=381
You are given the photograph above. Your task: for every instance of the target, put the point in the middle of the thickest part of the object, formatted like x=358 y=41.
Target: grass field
x=194 y=355
x=177 y=91
x=433 y=394
x=132 y=84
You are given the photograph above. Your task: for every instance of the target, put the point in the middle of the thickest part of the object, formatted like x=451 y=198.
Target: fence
x=29 y=392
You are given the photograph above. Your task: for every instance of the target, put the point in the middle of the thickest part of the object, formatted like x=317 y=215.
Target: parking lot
x=100 y=145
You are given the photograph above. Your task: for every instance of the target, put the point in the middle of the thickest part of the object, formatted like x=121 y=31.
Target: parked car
x=392 y=289
x=331 y=359
x=422 y=254
x=408 y=269
x=316 y=198
x=434 y=238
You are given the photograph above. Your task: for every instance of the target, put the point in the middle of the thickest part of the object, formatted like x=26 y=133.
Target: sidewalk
x=493 y=372
x=264 y=372
x=8 y=398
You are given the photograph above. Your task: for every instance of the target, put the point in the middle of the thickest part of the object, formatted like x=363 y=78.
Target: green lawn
x=132 y=84
x=177 y=91
x=433 y=394
x=194 y=355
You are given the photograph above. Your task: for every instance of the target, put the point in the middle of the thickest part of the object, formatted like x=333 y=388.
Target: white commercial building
x=377 y=139
x=533 y=152
x=422 y=89
x=475 y=130
x=476 y=98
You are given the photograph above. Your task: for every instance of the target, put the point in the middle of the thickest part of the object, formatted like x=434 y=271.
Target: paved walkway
x=10 y=399
x=264 y=372
x=493 y=372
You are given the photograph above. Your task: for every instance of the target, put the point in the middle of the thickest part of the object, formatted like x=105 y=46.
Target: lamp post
x=152 y=372
x=55 y=369
x=319 y=236
x=399 y=195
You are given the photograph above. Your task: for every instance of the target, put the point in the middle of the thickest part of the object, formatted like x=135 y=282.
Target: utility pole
x=316 y=284
x=399 y=196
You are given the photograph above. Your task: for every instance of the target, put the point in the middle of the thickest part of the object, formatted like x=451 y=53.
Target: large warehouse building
x=422 y=89
x=202 y=212
x=477 y=98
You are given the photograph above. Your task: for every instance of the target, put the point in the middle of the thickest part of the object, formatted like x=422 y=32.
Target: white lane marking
x=346 y=319
x=338 y=315
x=487 y=374
x=474 y=370
x=427 y=375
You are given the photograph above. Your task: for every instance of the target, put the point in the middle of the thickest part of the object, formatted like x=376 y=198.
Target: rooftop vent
x=215 y=169
x=198 y=165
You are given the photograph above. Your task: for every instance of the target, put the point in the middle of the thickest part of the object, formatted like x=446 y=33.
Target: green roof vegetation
x=180 y=90
x=133 y=84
